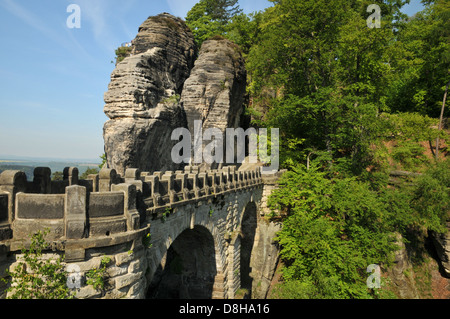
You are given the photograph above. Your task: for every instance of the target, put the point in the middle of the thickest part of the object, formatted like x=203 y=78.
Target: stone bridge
x=184 y=234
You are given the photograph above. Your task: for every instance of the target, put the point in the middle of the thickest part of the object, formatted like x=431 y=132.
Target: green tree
x=210 y=17
x=334 y=229
x=319 y=74
x=244 y=30
x=423 y=70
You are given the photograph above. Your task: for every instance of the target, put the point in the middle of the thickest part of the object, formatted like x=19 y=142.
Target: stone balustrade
x=125 y=217
x=105 y=203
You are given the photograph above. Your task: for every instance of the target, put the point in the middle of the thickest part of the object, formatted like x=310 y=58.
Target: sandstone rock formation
x=442 y=245
x=142 y=100
x=214 y=93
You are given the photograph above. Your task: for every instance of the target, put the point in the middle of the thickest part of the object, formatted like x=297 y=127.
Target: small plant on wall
x=97 y=276
x=37 y=277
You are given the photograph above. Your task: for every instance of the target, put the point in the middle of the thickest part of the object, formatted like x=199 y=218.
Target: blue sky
x=52 y=78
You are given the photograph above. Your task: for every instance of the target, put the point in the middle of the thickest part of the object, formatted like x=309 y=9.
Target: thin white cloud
x=35 y=22
x=180 y=8
x=29 y=18
x=100 y=17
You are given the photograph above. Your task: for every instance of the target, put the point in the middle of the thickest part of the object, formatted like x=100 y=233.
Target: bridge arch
x=249 y=223
x=188 y=268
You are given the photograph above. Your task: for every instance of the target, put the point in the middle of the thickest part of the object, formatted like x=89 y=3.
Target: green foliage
x=337 y=226
x=244 y=30
x=431 y=197
x=422 y=61
x=165 y=214
x=104 y=160
x=122 y=53
x=38 y=277
x=411 y=126
x=409 y=154
x=408 y=133
x=174 y=99
x=321 y=76
x=351 y=104
x=88 y=172
x=146 y=241
x=209 y=18
x=97 y=276
x=57 y=176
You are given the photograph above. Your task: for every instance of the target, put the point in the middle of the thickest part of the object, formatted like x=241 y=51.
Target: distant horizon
x=87 y=160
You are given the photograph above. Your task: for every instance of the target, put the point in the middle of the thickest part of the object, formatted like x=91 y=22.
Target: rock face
x=402 y=285
x=265 y=256
x=442 y=245
x=142 y=100
x=214 y=93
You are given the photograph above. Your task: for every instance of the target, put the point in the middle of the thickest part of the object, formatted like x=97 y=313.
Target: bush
x=36 y=277
x=335 y=227
x=431 y=197
x=122 y=53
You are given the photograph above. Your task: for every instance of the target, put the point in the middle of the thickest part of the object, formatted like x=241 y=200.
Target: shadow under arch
x=188 y=269
x=248 y=231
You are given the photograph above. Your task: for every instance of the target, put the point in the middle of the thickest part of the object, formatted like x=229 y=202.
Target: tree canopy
x=352 y=104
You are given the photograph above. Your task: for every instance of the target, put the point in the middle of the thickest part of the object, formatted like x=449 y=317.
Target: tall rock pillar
x=142 y=101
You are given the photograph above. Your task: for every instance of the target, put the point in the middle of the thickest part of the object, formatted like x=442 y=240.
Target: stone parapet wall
x=111 y=216
x=124 y=272
x=107 y=202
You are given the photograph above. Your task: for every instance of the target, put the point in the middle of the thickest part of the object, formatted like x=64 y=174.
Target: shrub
x=36 y=277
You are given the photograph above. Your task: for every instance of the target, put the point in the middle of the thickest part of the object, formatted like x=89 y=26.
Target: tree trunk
x=441 y=118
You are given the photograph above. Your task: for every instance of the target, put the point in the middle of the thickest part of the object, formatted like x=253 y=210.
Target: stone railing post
x=75 y=212
x=106 y=179
x=154 y=188
x=218 y=188
x=238 y=179
x=246 y=178
x=252 y=177
x=203 y=184
x=71 y=174
x=12 y=182
x=5 y=228
x=131 y=213
x=95 y=181
x=195 y=187
x=225 y=178
x=182 y=176
x=232 y=177
x=133 y=176
x=258 y=176
x=42 y=180
x=195 y=169
x=169 y=176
